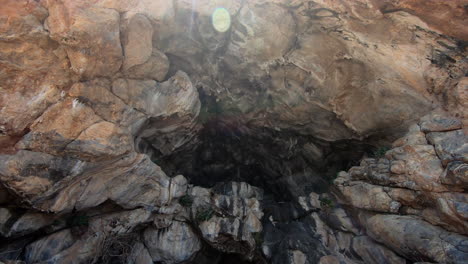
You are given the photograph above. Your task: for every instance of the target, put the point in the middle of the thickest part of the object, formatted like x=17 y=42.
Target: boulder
x=175 y=244
x=137 y=40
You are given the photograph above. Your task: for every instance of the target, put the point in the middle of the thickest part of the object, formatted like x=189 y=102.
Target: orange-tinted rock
x=448 y=17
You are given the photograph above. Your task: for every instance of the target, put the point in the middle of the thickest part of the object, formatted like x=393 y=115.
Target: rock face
x=420 y=186
x=175 y=244
x=134 y=131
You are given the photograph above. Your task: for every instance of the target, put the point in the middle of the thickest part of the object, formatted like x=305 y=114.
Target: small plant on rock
x=204 y=215
x=327 y=203
x=258 y=237
x=380 y=152
x=186 y=200
x=78 y=220
x=118 y=248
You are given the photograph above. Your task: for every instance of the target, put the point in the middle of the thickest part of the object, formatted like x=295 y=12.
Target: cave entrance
x=283 y=163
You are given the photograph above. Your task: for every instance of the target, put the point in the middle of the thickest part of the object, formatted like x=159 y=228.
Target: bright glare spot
x=221 y=19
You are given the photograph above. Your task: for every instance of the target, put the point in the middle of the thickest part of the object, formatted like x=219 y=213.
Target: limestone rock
x=423 y=240
x=369 y=197
x=66 y=246
x=372 y=252
x=98 y=95
x=30 y=174
x=59 y=126
x=439 y=123
x=175 y=244
x=310 y=203
x=156 y=67
x=456 y=174
x=24 y=224
x=103 y=139
x=433 y=14
x=91 y=35
x=450 y=146
x=339 y=220
x=72 y=184
x=228 y=216
x=426 y=180
x=329 y=260
x=43 y=249
x=94 y=93
x=137 y=40
x=140 y=255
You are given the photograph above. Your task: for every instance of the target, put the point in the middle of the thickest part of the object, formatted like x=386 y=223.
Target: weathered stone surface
x=83 y=118
x=415 y=167
x=44 y=249
x=427 y=180
x=424 y=240
x=228 y=216
x=70 y=183
x=140 y=255
x=459 y=101
x=329 y=260
x=66 y=247
x=30 y=174
x=339 y=220
x=439 y=123
x=97 y=94
x=456 y=173
x=289 y=243
x=433 y=13
x=372 y=252
x=137 y=39
x=25 y=224
x=238 y=189
x=156 y=67
x=175 y=244
x=450 y=146
x=91 y=35
x=103 y=139
x=59 y=126
x=413 y=137
x=369 y=197
x=310 y=203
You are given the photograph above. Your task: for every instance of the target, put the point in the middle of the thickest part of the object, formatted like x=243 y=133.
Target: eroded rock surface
x=105 y=104
x=419 y=185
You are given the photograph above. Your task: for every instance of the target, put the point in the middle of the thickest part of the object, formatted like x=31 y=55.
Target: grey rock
x=175 y=244
x=456 y=173
x=439 y=123
x=139 y=255
x=424 y=240
x=374 y=253
x=28 y=223
x=49 y=246
x=450 y=146
x=229 y=217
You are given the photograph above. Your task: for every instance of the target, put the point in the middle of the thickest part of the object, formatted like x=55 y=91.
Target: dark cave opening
x=285 y=164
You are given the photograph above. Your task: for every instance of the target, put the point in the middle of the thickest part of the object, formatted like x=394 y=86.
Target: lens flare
x=221 y=19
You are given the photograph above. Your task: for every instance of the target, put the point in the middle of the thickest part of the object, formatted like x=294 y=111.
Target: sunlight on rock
x=221 y=19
